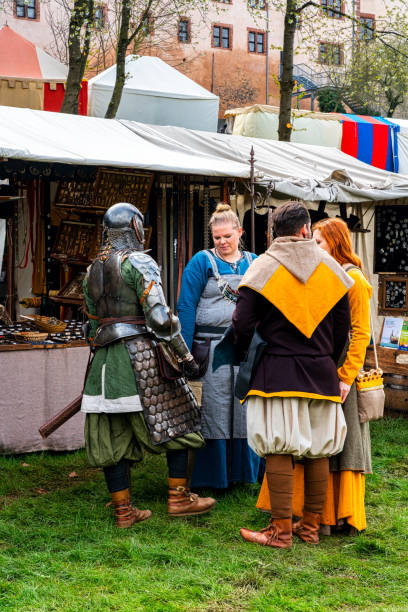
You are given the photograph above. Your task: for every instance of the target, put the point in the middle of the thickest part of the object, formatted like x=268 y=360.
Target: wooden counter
x=395 y=377
x=387 y=360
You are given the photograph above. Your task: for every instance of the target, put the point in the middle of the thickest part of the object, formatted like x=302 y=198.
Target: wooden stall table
x=394 y=364
x=36 y=383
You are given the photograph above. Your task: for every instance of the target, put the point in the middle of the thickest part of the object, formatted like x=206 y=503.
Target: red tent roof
x=20 y=58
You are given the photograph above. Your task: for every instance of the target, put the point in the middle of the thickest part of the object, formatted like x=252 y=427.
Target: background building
x=233 y=50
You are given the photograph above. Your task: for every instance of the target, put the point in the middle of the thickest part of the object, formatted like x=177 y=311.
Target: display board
x=393 y=295
x=391 y=241
x=74 y=194
x=112 y=186
x=76 y=242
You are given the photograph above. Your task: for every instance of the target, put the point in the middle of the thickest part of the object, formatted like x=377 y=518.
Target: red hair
x=336 y=233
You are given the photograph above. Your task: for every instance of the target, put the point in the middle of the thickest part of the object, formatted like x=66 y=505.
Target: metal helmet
x=123 y=227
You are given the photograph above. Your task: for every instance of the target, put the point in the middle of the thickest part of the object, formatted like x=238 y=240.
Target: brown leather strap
x=147 y=291
x=127 y=319
x=90 y=316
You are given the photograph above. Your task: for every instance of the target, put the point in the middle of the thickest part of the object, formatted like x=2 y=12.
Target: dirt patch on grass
x=60 y=483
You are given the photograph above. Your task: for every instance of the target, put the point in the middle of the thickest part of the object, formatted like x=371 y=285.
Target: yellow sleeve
x=359 y=299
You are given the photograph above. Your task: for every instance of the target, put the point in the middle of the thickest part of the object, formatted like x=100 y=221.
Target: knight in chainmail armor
x=136 y=397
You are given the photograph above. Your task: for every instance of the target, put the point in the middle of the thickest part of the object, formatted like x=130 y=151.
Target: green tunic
x=115 y=428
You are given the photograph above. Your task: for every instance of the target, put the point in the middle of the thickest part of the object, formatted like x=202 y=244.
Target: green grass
x=59 y=549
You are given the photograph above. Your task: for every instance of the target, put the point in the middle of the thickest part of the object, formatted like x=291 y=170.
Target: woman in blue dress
x=205 y=308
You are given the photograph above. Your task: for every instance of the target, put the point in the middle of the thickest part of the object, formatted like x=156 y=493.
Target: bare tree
x=345 y=31
x=286 y=77
x=79 y=40
x=125 y=39
x=147 y=23
x=127 y=26
x=58 y=17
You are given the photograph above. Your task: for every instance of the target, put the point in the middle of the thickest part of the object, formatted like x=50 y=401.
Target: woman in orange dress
x=344 y=506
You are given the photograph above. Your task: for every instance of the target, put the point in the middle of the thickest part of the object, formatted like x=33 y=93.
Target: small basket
x=47 y=324
x=30 y=336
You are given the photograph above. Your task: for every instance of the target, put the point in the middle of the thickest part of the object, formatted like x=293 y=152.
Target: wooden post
x=206 y=199
x=10 y=268
x=252 y=191
x=165 y=238
x=159 y=222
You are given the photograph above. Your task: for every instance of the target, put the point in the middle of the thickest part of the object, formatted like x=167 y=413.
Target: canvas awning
x=307 y=172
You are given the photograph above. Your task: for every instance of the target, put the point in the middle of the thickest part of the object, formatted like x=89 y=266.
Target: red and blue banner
x=372 y=140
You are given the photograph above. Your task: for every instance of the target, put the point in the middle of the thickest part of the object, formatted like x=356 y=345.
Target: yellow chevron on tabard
x=304 y=304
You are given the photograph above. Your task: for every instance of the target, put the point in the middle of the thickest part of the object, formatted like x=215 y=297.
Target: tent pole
x=10 y=305
x=252 y=191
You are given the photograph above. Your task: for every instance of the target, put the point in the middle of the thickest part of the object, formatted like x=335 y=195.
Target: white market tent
x=309 y=127
x=156 y=93
x=307 y=172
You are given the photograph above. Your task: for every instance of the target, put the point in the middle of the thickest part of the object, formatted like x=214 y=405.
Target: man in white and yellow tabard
x=295 y=295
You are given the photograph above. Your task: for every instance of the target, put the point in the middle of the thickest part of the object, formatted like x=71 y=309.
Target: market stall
x=30 y=77
x=373 y=140
x=72 y=168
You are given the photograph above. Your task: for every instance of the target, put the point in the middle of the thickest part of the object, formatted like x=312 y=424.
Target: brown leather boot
x=278 y=534
x=308 y=527
x=316 y=479
x=126 y=513
x=184 y=503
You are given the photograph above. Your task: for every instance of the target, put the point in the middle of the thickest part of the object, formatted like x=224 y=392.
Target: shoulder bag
x=370 y=390
x=369 y=383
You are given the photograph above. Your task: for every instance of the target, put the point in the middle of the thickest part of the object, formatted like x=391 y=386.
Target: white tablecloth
x=34 y=386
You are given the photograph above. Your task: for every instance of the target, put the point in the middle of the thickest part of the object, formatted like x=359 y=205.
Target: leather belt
x=126 y=319
x=207 y=329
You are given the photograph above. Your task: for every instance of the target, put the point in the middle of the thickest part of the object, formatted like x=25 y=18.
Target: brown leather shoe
x=184 y=503
x=278 y=534
x=126 y=513
x=308 y=527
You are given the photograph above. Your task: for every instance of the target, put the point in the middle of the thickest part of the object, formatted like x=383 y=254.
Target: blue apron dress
x=226 y=458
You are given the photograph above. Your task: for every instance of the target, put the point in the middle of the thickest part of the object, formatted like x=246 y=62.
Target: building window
x=331 y=8
x=222 y=36
x=99 y=16
x=331 y=54
x=367 y=27
x=27 y=9
x=184 y=31
x=256 y=41
x=257 y=4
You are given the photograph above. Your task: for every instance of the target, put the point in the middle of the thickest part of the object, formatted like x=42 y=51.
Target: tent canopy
x=154 y=92
x=303 y=171
x=373 y=140
x=21 y=59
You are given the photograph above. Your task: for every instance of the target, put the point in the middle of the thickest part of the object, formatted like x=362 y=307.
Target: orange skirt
x=344 y=498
